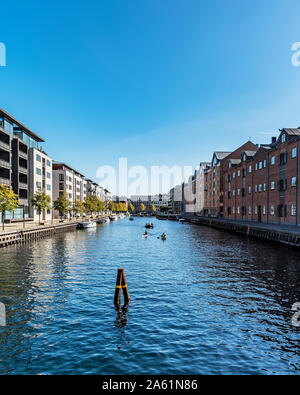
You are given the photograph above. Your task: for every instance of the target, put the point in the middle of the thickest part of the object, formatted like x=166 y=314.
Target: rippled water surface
x=204 y=301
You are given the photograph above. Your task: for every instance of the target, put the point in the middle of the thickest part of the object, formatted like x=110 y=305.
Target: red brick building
x=262 y=185
x=215 y=182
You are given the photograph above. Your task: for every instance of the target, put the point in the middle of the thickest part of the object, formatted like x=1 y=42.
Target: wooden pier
x=32 y=234
x=284 y=237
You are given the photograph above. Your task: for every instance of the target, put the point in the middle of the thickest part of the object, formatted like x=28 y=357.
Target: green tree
x=142 y=207
x=152 y=208
x=40 y=201
x=122 y=207
x=8 y=201
x=62 y=204
x=112 y=206
x=78 y=207
x=131 y=207
x=91 y=204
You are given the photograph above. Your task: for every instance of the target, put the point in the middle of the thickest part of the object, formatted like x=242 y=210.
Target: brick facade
x=262 y=185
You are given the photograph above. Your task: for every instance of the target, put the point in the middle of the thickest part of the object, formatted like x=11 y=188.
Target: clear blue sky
x=157 y=81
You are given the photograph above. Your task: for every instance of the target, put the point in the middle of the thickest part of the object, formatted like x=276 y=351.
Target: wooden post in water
x=121 y=284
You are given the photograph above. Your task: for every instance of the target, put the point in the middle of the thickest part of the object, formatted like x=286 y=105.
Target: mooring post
x=117 y=298
x=121 y=284
x=125 y=288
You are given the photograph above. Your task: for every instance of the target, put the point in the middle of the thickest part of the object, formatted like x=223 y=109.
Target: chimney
x=274 y=140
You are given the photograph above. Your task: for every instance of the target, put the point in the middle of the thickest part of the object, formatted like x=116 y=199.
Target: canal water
x=202 y=302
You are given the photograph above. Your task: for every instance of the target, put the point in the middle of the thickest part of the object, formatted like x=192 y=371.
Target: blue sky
x=160 y=82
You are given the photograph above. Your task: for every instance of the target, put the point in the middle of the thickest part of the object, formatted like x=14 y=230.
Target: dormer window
x=283 y=138
x=245 y=157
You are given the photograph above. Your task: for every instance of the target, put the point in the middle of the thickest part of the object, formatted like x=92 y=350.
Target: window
x=38 y=184
x=283 y=158
x=294 y=152
x=260 y=165
x=282 y=185
x=273 y=160
x=249 y=210
x=293 y=182
x=238 y=192
x=272 y=210
x=256 y=166
x=233 y=192
x=61 y=177
x=250 y=169
x=264 y=187
x=38 y=158
x=255 y=210
x=233 y=175
x=265 y=163
x=264 y=210
x=48 y=163
x=272 y=185
x=233 y=210
x=48 y=175
x=255 y=188
x=281 y=210
x=259 y=188
x=48 y=187
x=249 y=190
x=238 y=173
x=283 y=138
x=38 y=171
x=238 y=210
x=293 y=210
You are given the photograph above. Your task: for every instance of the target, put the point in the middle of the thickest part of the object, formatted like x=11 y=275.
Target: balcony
x=22 y=185
x=4 y=164
x=4 y=146
x=23 y=155
x=23 y=170
x=4 y=181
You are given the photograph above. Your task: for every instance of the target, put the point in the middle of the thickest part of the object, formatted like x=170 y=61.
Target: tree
x=100 y=205
x=122 y=207
x=152 y=208
x=91 y=204
x=142 y=207
x=112 y=206
x=78 y=207
x=40 y=201
x=131 y=207
x=8 y=201
x=62 y=204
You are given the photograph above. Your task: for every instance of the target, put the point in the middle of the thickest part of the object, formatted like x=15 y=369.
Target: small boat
x=182 y=220
x=144 y=236
x=86 y=224
x=103 y=220
x=113 y=217
x=131 y=219
x=149 y=226
x=163 y=237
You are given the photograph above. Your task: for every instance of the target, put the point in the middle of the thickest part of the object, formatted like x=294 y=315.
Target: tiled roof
x=235 y=161
x=221 y=155
x=291 y=132
x=250 y=153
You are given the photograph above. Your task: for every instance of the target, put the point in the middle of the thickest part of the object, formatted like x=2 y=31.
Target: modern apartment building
x=16 y=140
x=263 y=186
x=40 y=180
x=94 y=189
x=68 y=180
x=175 y=200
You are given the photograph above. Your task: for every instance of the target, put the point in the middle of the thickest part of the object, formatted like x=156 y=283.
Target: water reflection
x=202 y=302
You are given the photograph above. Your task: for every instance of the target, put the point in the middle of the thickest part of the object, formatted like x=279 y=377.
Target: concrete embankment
x=31 y=234
x=289 y=238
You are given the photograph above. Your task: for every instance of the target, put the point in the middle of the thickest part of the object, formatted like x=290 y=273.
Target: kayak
x=144 y=236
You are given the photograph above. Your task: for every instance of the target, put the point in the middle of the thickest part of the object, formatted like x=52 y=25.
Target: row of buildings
x=252 y=183
x=28 y=169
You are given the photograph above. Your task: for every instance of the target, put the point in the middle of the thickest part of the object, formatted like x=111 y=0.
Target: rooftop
x=20 y=125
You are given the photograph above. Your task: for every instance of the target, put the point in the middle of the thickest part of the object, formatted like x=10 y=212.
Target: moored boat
x=86 y=224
